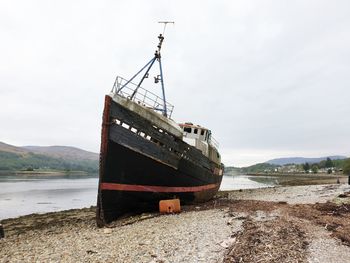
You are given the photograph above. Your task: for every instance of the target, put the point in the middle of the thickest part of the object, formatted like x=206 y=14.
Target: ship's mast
x=157 y=57
x=161 y=38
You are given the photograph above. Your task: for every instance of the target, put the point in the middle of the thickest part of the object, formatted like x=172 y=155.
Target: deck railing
x=142 y=96
x=214 y=142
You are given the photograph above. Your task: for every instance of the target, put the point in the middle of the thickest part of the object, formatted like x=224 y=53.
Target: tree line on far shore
x=30 y=161
x=326 y=166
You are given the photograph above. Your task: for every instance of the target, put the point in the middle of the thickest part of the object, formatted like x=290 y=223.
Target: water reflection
x=237 y=182
x=26 y=194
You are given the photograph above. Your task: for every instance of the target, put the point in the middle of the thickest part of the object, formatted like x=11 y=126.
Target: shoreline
x=305 y=179
x=292 y=223
x=221 y=193
x=43 y=173
x=300 y=174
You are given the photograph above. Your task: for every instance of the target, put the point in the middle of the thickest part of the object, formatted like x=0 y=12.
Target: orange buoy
x=169 y=206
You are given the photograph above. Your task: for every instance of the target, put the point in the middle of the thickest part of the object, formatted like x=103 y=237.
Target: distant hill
x=64 y=152
x=4 y=147
x=47 y=157
x=301 y=160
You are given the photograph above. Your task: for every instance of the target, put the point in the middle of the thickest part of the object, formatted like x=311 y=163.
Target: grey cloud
x=269 y=78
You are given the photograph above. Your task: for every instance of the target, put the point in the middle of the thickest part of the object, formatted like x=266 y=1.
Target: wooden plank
x=143 y=125
x=128 y=139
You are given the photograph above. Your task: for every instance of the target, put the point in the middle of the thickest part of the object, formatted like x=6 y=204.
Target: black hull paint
x=137 y=172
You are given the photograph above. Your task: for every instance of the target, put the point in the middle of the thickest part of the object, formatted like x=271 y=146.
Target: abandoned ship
x=146 y=157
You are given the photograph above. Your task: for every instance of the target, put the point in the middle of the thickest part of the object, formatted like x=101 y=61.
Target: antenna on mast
x=157 y=57
x=165 y=23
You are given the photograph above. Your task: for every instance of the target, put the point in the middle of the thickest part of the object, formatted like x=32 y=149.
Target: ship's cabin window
x=187 y=129
x=195 y=131
x=202 y=132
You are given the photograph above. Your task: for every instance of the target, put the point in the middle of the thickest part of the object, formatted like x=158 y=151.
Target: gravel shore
x=284 y=224
x=308 y=194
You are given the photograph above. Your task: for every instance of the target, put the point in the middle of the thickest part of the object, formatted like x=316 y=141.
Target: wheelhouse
x=202 y=139
x=195 y=132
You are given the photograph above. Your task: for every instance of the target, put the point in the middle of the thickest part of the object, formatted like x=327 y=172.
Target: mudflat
x=281 y=224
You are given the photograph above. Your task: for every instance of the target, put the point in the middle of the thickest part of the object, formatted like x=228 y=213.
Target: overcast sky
x=270 y=78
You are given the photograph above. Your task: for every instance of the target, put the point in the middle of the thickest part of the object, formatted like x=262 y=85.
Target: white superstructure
x=202 y=139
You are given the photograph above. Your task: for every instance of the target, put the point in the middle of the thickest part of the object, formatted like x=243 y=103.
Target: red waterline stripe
x=153 y=188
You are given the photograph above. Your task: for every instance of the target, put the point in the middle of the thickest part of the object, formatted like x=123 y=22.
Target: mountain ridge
x=64 y=152
x=11 y=148
x=301 y=160
x=57 y=151
x=29 y=158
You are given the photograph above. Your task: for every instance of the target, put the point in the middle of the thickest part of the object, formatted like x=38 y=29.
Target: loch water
x=22 y=194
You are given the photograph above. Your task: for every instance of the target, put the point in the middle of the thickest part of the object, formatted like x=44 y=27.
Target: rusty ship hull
x=143 y=160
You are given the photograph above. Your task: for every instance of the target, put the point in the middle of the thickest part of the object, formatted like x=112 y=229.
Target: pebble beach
x=280 y=224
